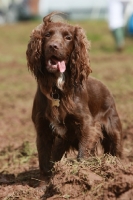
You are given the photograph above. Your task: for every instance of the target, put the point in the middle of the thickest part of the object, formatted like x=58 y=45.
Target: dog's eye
x=47 y=34
x=68 y=37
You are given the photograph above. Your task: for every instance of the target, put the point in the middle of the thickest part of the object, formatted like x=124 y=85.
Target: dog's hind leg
x=112 y=133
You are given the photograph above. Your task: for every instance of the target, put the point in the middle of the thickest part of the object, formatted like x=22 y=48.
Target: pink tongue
x=61 y=66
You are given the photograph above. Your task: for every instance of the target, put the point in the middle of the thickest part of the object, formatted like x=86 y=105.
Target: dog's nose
x=54 y=46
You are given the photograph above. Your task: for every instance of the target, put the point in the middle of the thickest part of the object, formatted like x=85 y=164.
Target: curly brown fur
x=57 y=55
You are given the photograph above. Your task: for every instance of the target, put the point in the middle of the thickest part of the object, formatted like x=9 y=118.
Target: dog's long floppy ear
x=80 y=63
x=34 y=51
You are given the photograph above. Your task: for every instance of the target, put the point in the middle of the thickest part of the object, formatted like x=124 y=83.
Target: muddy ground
x=99 y=178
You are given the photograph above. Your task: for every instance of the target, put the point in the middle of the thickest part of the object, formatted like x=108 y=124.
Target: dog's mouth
x=55 y=64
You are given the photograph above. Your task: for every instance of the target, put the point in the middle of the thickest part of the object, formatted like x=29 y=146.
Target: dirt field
x=99 y=178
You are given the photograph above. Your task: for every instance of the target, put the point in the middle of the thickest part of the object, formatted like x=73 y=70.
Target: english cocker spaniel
x=70 y=109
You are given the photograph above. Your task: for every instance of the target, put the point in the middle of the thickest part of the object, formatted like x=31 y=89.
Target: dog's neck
x=57 y=82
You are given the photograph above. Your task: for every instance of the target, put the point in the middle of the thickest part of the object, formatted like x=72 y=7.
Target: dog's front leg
x=44 y=147
x=89 y=138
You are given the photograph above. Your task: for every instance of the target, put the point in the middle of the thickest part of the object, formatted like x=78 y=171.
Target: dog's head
x=57 y=47
x=58 y=44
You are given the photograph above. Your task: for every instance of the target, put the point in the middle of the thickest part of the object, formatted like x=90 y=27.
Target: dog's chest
x=67 y=128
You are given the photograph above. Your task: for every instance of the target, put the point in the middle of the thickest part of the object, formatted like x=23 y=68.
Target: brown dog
x=71 y=109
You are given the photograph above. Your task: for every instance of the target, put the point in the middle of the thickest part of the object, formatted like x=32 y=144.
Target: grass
x=18 y=86
x=16 y=156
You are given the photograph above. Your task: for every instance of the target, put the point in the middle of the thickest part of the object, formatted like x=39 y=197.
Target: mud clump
x=98 y=178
